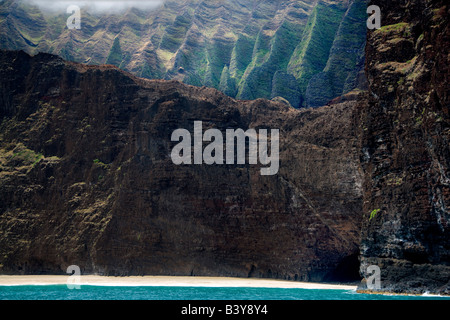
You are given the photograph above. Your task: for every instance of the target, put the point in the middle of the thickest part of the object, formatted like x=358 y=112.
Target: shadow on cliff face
x=98 y=189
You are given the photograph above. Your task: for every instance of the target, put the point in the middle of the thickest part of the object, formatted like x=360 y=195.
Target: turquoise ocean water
x=90 y=292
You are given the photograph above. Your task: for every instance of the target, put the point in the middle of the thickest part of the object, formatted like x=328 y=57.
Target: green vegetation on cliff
x=346 y=53
x=246 y=49
x=115 y=55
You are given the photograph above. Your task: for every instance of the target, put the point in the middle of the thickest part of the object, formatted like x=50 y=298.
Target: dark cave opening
x=347 y=270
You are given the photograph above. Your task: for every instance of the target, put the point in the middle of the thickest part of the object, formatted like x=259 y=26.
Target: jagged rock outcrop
x=405 y=148
x=86 y=178
x=241 y=47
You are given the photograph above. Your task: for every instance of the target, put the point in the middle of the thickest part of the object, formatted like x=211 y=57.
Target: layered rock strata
x=405 y=148
x=87 y=179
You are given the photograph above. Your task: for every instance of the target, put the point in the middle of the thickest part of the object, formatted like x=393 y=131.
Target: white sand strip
x=162 y=281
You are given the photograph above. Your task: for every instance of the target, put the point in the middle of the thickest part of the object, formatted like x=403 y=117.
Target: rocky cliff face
x=86 y=176
x=307 y=52
x=405 y=148
x=87 y=179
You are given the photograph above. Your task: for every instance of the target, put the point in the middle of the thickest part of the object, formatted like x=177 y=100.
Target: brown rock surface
x=405 y=148
x=87 y=179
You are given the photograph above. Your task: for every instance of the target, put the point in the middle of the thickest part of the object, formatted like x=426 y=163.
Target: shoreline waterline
x=167 y=281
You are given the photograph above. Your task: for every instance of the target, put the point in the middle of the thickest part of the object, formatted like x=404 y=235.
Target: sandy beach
x=163 y=281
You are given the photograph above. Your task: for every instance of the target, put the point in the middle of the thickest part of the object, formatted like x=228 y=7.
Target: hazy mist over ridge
x=102 y=6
